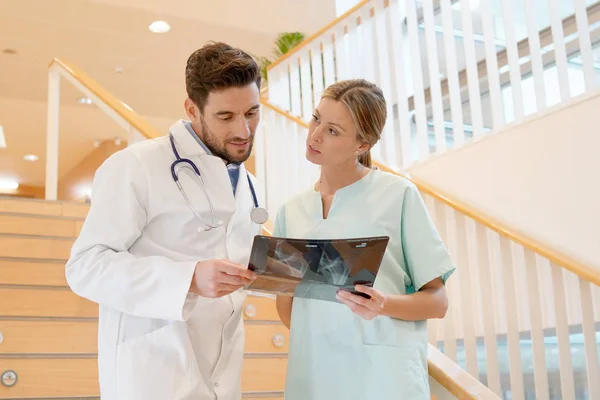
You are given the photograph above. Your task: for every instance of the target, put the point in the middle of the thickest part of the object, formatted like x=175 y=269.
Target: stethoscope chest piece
x=259 y=215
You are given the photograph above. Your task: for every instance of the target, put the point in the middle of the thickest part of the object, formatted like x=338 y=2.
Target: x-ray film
x=314 y=268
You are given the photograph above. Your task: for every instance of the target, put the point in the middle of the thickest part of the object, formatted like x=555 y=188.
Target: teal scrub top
x=334 y=353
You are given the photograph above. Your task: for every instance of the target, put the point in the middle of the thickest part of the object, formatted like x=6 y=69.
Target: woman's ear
x=363 y=148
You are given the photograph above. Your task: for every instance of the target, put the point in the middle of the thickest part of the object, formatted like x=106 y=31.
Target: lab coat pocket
x=394 y=373
x=156 y=366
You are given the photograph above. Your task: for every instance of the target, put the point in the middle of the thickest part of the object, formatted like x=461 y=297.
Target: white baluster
x=260 y=156
x=341 y=54
x=567 y=384
x=420 y=109
x=456 y=107
x=589 y=337
x=293 y=160
x=435 y=89
x=433 y=325
x=508 y=10
x=466 y=295
x=449 y=320
x=489 y=309
x=537 y=67
x=272 y=126
x=491 y=62
x=328 y=61
x=367 y=44
x=279 y=85
x=537 y=334
x=585 y=45
x=296 y=97
x=317 y=72
x=355 y=49
x=471 y=65
x=306 y=85
x=512 y=327
x=398 y=68
x=381 y=45
x=560 y=51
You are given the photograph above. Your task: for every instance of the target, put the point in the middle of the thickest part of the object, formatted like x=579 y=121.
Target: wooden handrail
x=578 y=268
x=119 y=107
x=455 y=379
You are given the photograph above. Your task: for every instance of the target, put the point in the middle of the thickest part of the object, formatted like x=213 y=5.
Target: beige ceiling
x=100 y=35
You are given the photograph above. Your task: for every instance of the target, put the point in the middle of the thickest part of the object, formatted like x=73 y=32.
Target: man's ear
x=192 y=110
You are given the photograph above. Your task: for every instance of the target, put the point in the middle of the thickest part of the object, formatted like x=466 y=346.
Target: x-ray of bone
x=310 y=268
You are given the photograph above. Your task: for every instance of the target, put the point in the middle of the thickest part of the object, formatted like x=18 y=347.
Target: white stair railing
x=451 y=70
x=137 y=128
x=523 y=319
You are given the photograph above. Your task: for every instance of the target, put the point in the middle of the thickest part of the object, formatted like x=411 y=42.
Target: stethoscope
x=258 y=215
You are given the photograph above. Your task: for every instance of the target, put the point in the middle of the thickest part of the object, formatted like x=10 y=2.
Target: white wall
x=540 y=177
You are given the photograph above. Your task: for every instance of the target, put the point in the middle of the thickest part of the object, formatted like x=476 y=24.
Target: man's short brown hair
x=218 y=66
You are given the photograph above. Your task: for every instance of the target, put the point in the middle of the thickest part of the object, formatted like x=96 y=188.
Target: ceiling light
x=9 y=185
x=2 y=138
x=119 y=70
x=159 y=27
x=30 y=157
x=84 y=100
x=85 y=193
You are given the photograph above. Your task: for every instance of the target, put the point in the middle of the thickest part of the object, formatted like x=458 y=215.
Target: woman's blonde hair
x=367 y=108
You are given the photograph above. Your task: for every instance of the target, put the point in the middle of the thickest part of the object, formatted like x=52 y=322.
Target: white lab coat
x=136 y=255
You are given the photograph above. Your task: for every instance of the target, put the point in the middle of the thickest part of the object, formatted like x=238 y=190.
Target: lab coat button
x=217 y=384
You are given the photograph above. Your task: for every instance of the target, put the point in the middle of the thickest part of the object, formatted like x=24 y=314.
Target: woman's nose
x=316 y=135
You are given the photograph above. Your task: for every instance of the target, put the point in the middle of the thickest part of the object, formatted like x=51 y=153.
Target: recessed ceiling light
x=84 y=100
x=30 y=157
x=159 y=27
x=8 y=185
x=2 y=138
x=119 y=70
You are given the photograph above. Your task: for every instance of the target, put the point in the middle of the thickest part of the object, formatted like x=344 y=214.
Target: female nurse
x=343 y=345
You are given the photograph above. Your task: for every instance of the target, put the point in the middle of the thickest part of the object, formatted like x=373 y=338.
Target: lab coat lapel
x=187 y=145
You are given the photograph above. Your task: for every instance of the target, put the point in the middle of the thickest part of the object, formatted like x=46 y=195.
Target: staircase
x=48 y=334
x=531 y=331
x=524 y=313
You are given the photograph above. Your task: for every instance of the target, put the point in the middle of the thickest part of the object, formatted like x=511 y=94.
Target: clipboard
x=282 y=264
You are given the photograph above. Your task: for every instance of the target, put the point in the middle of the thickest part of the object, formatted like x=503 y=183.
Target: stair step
x=51 y=378
x=18 y=301
x=44 y=207
x=25 y=302
x=39 y=225
x=47 y=377
x=68 y=338
x=36 y=247
x=15 y=271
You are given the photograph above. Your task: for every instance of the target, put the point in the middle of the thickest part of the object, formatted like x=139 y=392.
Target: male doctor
x=166 y=263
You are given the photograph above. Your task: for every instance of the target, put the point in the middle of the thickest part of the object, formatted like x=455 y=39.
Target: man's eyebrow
x=228 y=113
